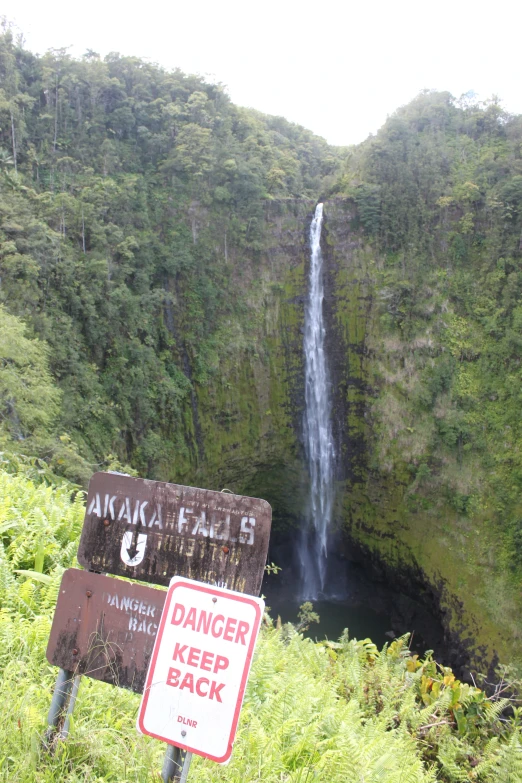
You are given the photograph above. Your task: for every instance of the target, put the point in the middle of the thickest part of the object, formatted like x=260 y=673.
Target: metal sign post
x=106 y=628
x=64 y=733
x=199 y=668
x=175 y=765
x=186 y=767
x=62 y=692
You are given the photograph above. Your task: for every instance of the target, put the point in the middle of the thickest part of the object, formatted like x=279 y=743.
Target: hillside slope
x=153 y=242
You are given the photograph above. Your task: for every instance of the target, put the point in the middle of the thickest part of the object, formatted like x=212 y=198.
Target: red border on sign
x=213 y=591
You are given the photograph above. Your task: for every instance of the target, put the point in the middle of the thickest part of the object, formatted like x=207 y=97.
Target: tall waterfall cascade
x=313 y=545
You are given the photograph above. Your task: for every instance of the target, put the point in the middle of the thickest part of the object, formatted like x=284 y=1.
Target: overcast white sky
x=336 y=68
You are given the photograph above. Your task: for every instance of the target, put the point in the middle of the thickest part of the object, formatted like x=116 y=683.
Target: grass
x=332 y=712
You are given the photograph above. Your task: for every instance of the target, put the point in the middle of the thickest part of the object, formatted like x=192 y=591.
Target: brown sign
x=105 y=628
x=152 y=531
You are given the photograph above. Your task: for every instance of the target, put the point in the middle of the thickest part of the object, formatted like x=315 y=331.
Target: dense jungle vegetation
x=152 y=278
x=439 y=191
x=130 y=200
x=127 y=197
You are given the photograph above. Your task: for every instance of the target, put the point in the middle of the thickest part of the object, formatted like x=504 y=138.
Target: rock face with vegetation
x=154 y=259
x=434 y=339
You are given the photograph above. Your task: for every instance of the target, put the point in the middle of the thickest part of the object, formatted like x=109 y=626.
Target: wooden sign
x=105 y=628
x=152 y=531
x=199 y=668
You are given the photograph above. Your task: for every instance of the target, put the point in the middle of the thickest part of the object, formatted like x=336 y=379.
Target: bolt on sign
x=199 y=668
x=151 y=530
x=105 y=628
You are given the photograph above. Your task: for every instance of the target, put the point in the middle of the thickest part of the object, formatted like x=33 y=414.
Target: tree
x=29 y=400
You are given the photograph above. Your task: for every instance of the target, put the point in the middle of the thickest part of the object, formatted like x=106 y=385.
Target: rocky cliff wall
x=250 y=422
x=249 y=414
x=409 y=534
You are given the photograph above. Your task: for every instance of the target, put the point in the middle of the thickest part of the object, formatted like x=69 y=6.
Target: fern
x=338 y=713
x=508 y=767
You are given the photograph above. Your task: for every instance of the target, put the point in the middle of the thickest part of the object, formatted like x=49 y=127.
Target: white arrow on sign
x=133 y=552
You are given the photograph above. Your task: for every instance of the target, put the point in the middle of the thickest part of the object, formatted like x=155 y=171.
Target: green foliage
x=29 y=407
x=131 y=201
x=367 y=198
x=39 y=524
x=306 y=615
x=333 y=711
x=148 y=239
x=29 y=401
x=438 y=190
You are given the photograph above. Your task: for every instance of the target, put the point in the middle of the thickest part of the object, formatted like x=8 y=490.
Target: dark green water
x=335 y=616
x=367 y=609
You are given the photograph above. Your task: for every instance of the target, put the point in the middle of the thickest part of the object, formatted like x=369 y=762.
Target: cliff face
x=249 y=415
x=397 y=521
x=154 y=238
x=397 y=481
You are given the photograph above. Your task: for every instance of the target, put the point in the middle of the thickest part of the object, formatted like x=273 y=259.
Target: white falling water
x=317 y=428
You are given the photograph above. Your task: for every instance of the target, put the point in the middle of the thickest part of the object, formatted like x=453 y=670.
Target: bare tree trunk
x=83 y=232
x=13 y=135
x=55 y=115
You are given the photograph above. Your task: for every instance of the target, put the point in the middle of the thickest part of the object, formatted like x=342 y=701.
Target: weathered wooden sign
x=199 y=668
x=105 y=628
x=151 y=531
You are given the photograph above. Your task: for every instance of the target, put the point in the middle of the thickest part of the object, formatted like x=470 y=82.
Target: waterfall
x=313 y=545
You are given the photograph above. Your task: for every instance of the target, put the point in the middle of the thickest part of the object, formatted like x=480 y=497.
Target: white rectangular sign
x=199 y=668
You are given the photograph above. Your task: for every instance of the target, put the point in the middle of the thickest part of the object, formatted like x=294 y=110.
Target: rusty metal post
x=61 y=694
x=186 y=767
x=173 y=764
x=63 y=734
